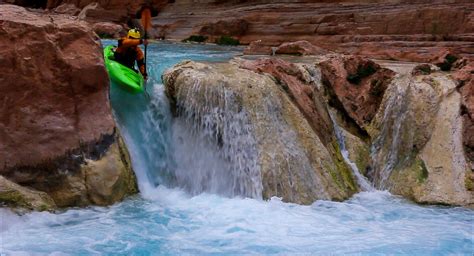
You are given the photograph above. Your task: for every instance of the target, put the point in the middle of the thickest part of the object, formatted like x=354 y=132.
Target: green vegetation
x=195 y=38
x=469 y=183
x=342 y=176
x=363 y=71
x=377 y=89
x=421 y=171
x=103 y=35
x=435 y=28
x=448 y=62
x=14 y=198
x=362 y=159
x=423 y=69
x=227 y=40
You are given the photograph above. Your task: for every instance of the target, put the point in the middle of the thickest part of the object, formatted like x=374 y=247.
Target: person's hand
x=145 y=41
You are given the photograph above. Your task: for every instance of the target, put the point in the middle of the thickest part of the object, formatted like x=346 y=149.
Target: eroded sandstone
x=55 y=112
x=355 y=86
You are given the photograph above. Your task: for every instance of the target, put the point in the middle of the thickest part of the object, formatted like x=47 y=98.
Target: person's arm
x=141 y=63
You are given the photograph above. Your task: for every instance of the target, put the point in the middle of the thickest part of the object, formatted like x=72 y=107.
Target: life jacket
x=126 y=57
x=126 y=54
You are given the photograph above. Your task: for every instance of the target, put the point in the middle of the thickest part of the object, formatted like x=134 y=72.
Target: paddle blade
x=146 y=18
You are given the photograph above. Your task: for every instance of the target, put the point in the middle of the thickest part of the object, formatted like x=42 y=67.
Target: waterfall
x=361 y=180
x=215 y=150
x=149 y=139
x=387 y=149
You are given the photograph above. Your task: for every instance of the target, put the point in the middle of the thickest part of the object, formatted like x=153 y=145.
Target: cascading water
x=167 y=220
x=214 y=154
x=217 y=142
x=361 y=180
x=387 y=149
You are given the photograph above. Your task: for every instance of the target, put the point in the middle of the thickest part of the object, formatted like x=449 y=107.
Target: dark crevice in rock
x=31 y=3
x=348 y=121
x=51 y=172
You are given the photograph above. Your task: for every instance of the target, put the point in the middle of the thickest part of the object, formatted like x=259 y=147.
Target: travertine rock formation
x=295 y=156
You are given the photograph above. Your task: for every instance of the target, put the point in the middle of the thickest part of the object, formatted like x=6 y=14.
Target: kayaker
x=128 y=51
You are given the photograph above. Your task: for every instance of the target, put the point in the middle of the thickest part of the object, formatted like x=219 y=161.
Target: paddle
x=146 y=24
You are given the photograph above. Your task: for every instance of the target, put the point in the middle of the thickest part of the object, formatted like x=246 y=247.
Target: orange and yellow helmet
x=134 y=33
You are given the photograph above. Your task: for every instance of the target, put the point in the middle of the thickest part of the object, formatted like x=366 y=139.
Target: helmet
x=134 y=33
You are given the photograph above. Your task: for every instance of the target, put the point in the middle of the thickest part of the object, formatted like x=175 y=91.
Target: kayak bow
x=127 y=78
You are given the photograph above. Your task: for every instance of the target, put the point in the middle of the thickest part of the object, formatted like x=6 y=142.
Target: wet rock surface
x=292 y=161
x=305 y=96
x=55 y=111
x=464 y=74
x=14 y=195
x=411 y=143
x=417 y=148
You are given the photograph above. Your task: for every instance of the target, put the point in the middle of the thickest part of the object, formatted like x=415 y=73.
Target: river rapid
x=180 y=217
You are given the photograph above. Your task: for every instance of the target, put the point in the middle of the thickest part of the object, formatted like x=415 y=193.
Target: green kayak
x=128 y=79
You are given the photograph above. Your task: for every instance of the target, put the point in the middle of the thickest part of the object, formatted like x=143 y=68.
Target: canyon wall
x=419 y=31
x=402 y=30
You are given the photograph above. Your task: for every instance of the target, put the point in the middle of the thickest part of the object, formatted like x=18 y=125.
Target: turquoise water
x=172 y=220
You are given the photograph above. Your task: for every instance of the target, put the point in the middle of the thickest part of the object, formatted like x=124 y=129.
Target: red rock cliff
x=419 y=30
x=410 y=30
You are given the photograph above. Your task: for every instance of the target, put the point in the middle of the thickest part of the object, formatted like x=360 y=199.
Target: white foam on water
x=170 y=221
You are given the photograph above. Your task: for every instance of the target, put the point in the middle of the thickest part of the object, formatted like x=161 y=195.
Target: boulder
x=413 y=49
x=417 y=147
x=465 y=79
x=355 y=86
x=96 y=13
x=300 y=48
x=69 y=9
x=258 y=48
x=422 y=69
x=14 y=195
x=282 y=150
x=109 y=30
x=463 y=70
x=55 y=112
